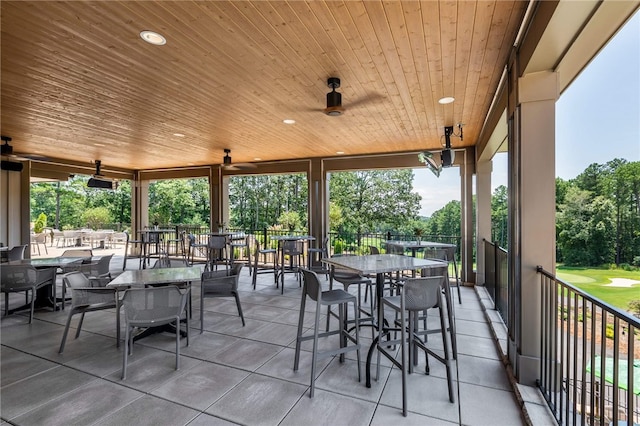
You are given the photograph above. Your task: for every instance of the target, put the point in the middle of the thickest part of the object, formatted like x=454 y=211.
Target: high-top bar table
x=281 y=243
x=380 y=264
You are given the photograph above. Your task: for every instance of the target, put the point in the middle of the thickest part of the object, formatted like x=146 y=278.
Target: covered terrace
x=80 y=84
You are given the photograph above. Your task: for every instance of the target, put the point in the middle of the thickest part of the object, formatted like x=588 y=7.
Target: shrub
x=609 y=331
x=41 y=223
x=634 y=307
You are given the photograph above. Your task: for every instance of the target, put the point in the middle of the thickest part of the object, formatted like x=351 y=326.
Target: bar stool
x=323 y=252
x=263 y=267
x=217 y=252
x=416 y=295
x=313 y=289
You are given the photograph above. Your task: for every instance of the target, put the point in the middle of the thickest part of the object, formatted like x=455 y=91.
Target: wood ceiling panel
x=78 y=83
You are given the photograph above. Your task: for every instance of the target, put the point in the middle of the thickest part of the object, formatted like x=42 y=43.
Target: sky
x=597 y=120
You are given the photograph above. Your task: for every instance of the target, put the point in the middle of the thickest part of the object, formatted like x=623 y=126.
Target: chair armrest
x=83 y=296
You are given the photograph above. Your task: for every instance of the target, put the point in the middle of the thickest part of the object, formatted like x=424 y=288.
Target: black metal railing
x=496 y=277
x=590 y=351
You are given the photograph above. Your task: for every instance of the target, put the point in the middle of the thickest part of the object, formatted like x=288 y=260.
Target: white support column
x=466 y=216
x=534 y=194
x=483 y=214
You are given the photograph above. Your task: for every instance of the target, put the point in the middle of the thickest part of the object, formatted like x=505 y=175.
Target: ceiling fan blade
x=367 y=99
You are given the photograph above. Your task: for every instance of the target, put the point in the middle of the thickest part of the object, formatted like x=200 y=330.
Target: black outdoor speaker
x=11 y=166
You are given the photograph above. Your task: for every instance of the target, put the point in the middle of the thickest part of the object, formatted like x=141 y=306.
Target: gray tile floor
x=237 y=375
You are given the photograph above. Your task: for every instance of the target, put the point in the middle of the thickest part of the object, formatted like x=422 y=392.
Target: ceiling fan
x=437 y=160
x=227 y=164
x=334 y=99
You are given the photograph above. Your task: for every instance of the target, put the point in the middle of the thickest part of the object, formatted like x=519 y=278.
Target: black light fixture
x=447 y=155
x=100 y=181
x=6 y=148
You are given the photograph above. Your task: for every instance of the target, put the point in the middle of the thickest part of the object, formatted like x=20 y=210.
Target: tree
x=256 y=202
x=96 y=217
x=374 y=200
x=499 y=216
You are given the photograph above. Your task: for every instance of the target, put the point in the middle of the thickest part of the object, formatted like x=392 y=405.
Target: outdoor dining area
x=250 y=334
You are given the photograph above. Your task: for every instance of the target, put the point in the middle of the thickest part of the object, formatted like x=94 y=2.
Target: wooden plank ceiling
x=78 y=82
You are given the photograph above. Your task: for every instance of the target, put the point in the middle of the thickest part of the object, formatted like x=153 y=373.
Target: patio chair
x=347 y=279
x=16 y=253
x=416 y=295
x=220 y=284
x=24 y=278
x=133 y=249
x=153 y=307
x=36 y=240
x=194 y=247
x=93 y=271
x=88 y=295
x=217 y=252
x=323 y=252
x=242 y=246
x=313 y=289
x=263 y=267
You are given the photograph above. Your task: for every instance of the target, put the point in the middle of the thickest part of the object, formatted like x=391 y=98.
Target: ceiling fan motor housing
x=334 y=99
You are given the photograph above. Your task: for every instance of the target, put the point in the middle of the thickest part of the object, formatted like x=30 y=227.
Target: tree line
x=598 y=212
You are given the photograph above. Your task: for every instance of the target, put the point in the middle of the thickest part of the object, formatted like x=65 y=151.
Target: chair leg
x=125 y=352
x=177 y=343
x=314 y=354
x=201 y=312
x=446 y=355
x=80 y=325
x=299 y=334
x=66 y=331
x=33 y=304
x=403 y=360
x=235 y=294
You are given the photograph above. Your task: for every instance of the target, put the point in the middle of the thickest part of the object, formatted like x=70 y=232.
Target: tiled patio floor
x=237 y=375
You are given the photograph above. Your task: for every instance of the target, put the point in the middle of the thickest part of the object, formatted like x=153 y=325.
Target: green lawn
x=594 y=281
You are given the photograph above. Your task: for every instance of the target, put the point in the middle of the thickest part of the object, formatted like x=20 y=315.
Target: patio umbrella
x=623 y=369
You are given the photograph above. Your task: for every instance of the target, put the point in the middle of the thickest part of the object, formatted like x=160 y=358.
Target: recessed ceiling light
x=289 y=121
x=340 y=152
x=99 y=144
x=191 y=164
x=153 y=38
x=446 y=100
x=178 y=135
x=257 y=159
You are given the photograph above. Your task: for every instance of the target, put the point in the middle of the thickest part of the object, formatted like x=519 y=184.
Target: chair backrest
x=293 y=248
x=395 y=249
x=373 y=250
x=217 y=242
x=16 y=253
x=436 y=253
x=151 y=237
x=153 y=304
x=76 y=279
x=16 y=277
x=312 y=286
x=422 y=293
x=41 y=238
x=77 y=253
x=102 y=267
